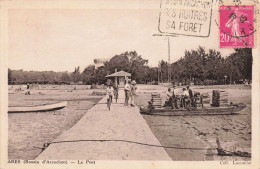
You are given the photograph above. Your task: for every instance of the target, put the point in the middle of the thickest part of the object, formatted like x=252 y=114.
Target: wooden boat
x=38 y=108
x=164 y=111
x=202 y=102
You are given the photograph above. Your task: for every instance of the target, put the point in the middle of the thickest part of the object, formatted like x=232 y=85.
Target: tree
x=129 y=62
x=163 y=71
x=65 y=77
x=100 y=75
x=138 y=66
x=239 y=64
x=152 y=74
x=213 y=63
x=88 y=75
x=119 y=62
x=210 y=67
x=198 y=66
x=76 y=76
x=10 y=76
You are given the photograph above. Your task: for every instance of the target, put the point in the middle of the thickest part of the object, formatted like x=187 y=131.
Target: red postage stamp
x=236 y=26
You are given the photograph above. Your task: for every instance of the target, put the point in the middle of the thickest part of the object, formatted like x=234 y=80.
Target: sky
x=61 y=39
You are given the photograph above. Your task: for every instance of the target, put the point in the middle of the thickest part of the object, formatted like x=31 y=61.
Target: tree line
x=196 y=66
x=201 y=67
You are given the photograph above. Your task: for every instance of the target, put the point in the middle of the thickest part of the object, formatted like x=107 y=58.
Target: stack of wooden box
x=219 y=98
x=156 y=100
x=223 y=101
x=206 y=100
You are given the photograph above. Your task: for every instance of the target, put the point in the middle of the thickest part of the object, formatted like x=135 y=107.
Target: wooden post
x=116 y=77
x=169 y=60
x=169 y=66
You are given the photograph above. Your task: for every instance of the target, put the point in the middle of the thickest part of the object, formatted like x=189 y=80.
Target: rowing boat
x=230 y=110
x=38 y=108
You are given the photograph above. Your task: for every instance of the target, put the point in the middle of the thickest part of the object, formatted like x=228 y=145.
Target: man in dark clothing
x=191 y=96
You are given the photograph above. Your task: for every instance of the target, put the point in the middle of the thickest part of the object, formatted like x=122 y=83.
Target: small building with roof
x=119 y=77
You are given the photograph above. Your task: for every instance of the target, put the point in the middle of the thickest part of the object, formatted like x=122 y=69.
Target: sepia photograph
x=164 y=80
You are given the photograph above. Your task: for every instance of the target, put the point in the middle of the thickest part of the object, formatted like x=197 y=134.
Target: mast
x=169 y=56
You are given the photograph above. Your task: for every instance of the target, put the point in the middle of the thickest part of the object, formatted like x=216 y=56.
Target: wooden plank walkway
x=122 y=127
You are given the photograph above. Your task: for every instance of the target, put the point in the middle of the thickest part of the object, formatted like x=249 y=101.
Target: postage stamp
x=236 y=26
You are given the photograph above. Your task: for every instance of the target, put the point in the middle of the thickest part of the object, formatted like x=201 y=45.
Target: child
x=110 y=92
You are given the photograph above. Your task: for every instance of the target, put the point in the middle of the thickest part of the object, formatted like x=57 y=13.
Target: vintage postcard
x=129 y=84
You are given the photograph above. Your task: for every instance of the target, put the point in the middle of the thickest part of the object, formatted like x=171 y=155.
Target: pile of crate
x=206 y=100
x=156 y=100
x=219 y=98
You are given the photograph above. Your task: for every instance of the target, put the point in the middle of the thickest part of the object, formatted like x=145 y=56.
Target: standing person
x=186 y=99
x=191 y=95
x=110 y=92
x=175 y=95
x=127 y=91
x=168 y=100
x=133 y=92
x=168 y=94
x=115 y=87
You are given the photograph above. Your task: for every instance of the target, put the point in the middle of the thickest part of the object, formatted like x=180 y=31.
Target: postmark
x=236 y=26
x=185 y=17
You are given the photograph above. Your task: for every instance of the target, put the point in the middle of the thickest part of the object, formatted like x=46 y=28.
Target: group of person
x=180 y=98
x=130 y=92
x=129 y=89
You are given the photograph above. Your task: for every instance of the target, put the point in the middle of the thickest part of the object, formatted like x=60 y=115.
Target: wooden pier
x=118 y=134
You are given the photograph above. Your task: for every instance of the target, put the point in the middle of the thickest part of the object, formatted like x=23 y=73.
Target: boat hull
x=40 y=108
x=231 y=110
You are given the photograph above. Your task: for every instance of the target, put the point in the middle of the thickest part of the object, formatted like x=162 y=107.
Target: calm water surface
x=28 y=132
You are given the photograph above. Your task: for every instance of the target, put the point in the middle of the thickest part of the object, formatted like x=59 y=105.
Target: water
x=28 y=132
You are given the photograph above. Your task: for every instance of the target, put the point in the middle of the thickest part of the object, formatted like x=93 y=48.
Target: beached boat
x=201 y=105
x=38 y=108
x=166 y=111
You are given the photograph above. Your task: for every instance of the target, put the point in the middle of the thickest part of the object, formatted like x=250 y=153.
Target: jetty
x=118 y=134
